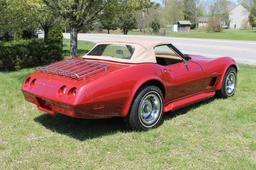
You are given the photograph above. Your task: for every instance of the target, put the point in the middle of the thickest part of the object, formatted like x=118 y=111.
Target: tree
x=4 y=14
x=77 y=14
x=45 y=18
x=109 y=18
x=252 y=17
x=17 y=16
x=143 y=7
x=219 y=15
x=147 y=12
x=127 y=15
x=247 y=3
x=173 y=11
x=190 y=11
x=155 y=25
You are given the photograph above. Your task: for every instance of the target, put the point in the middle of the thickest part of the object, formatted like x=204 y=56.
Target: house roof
x=203 y=19
x=184 y=22
x=231 y=8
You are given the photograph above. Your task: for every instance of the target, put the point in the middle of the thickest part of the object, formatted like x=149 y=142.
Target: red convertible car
x=135 y=79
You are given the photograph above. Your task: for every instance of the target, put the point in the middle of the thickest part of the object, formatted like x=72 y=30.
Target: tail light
x=63 y=90
x=27 y=81
x=32 y=83
x=72 y=91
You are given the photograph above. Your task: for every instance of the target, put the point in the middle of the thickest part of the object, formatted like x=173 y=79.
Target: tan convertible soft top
x=143 y=53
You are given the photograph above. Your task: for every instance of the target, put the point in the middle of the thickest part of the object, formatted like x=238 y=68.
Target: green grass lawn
x=249 y=35
x=226 y=34
x=83 y=47
x=216 y=134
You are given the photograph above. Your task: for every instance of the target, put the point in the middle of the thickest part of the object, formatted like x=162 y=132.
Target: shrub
x=15 y=55
x=155 y=25
x=214 y=25
x=56 y=35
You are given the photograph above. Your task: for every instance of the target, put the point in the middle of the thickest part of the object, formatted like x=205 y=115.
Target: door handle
x=186 y=65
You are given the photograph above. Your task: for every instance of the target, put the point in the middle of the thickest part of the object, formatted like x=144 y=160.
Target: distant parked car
x=138 y=80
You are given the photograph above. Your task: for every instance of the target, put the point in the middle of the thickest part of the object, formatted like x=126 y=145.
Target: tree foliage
x=219 y=16
x=78 y=14
x=247 y=3
x=190 y=11
x=252 y=17
x=109 y=17
x=155 y=25
x=17 y=15
x=173 y=11
x=127 y=15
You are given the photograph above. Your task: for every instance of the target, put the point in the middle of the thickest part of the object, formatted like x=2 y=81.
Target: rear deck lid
x=75 y=68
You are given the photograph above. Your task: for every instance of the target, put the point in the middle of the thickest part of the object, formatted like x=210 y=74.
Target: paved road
x=242 y=51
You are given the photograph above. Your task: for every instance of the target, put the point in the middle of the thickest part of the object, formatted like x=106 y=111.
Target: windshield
x=121 y=51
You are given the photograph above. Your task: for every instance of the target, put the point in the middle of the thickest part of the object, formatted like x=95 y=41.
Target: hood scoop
x=75 y=69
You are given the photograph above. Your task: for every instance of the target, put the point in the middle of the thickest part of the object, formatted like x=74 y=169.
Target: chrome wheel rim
x=150 y=109
x=231 y=83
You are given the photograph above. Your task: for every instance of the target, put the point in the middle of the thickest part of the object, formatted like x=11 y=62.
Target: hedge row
x=20 y=54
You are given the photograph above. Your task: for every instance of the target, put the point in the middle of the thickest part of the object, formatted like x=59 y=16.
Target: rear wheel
x=229 y=83
x=147 y=109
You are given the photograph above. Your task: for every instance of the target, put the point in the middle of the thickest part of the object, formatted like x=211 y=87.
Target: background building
x=239 y=18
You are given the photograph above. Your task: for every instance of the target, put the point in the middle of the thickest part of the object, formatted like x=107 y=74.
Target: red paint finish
x=109 y=92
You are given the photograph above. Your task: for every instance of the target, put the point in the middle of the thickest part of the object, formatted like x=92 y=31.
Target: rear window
x=121 y=51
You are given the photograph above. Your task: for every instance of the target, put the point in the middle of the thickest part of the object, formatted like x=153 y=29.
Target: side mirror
x=187 y=57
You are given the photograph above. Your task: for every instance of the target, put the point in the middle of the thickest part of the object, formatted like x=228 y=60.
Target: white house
x=239 y=17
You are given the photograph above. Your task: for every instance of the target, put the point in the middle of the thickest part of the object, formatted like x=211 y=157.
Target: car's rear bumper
x=53 y=108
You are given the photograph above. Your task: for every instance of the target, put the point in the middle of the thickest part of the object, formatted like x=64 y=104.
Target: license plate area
x=44 y=104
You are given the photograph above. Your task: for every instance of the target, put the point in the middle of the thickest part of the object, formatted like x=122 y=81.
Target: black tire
x=150 y=98
x=224 y=92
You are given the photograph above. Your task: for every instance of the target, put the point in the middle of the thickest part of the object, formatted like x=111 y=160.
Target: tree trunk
x=125 y=31
x=46 y=33
x=108 y=31
x=73 y=42
x=143 y=19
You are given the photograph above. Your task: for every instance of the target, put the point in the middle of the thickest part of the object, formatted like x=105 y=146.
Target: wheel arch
x=153 y=82
x=219 y=85
x=137 y=88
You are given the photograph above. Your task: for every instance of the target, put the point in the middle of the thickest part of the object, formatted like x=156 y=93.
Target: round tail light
x=27 y=81
x=63 y=90
x=72 y=91
x=32 y=83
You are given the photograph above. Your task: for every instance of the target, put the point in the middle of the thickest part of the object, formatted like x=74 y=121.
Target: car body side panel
x=184 y=79
x=215 y=67
x=114 y=93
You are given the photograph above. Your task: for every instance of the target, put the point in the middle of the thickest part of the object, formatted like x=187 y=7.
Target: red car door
x=184 y=79
x=183 y=76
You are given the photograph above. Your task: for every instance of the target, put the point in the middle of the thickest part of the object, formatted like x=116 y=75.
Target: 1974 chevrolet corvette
x=135 y=79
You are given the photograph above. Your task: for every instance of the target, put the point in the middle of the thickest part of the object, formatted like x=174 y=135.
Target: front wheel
x=147 y=109
x=229 y=83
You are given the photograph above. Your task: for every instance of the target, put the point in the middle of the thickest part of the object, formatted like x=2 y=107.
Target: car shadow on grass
x=82 y=130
